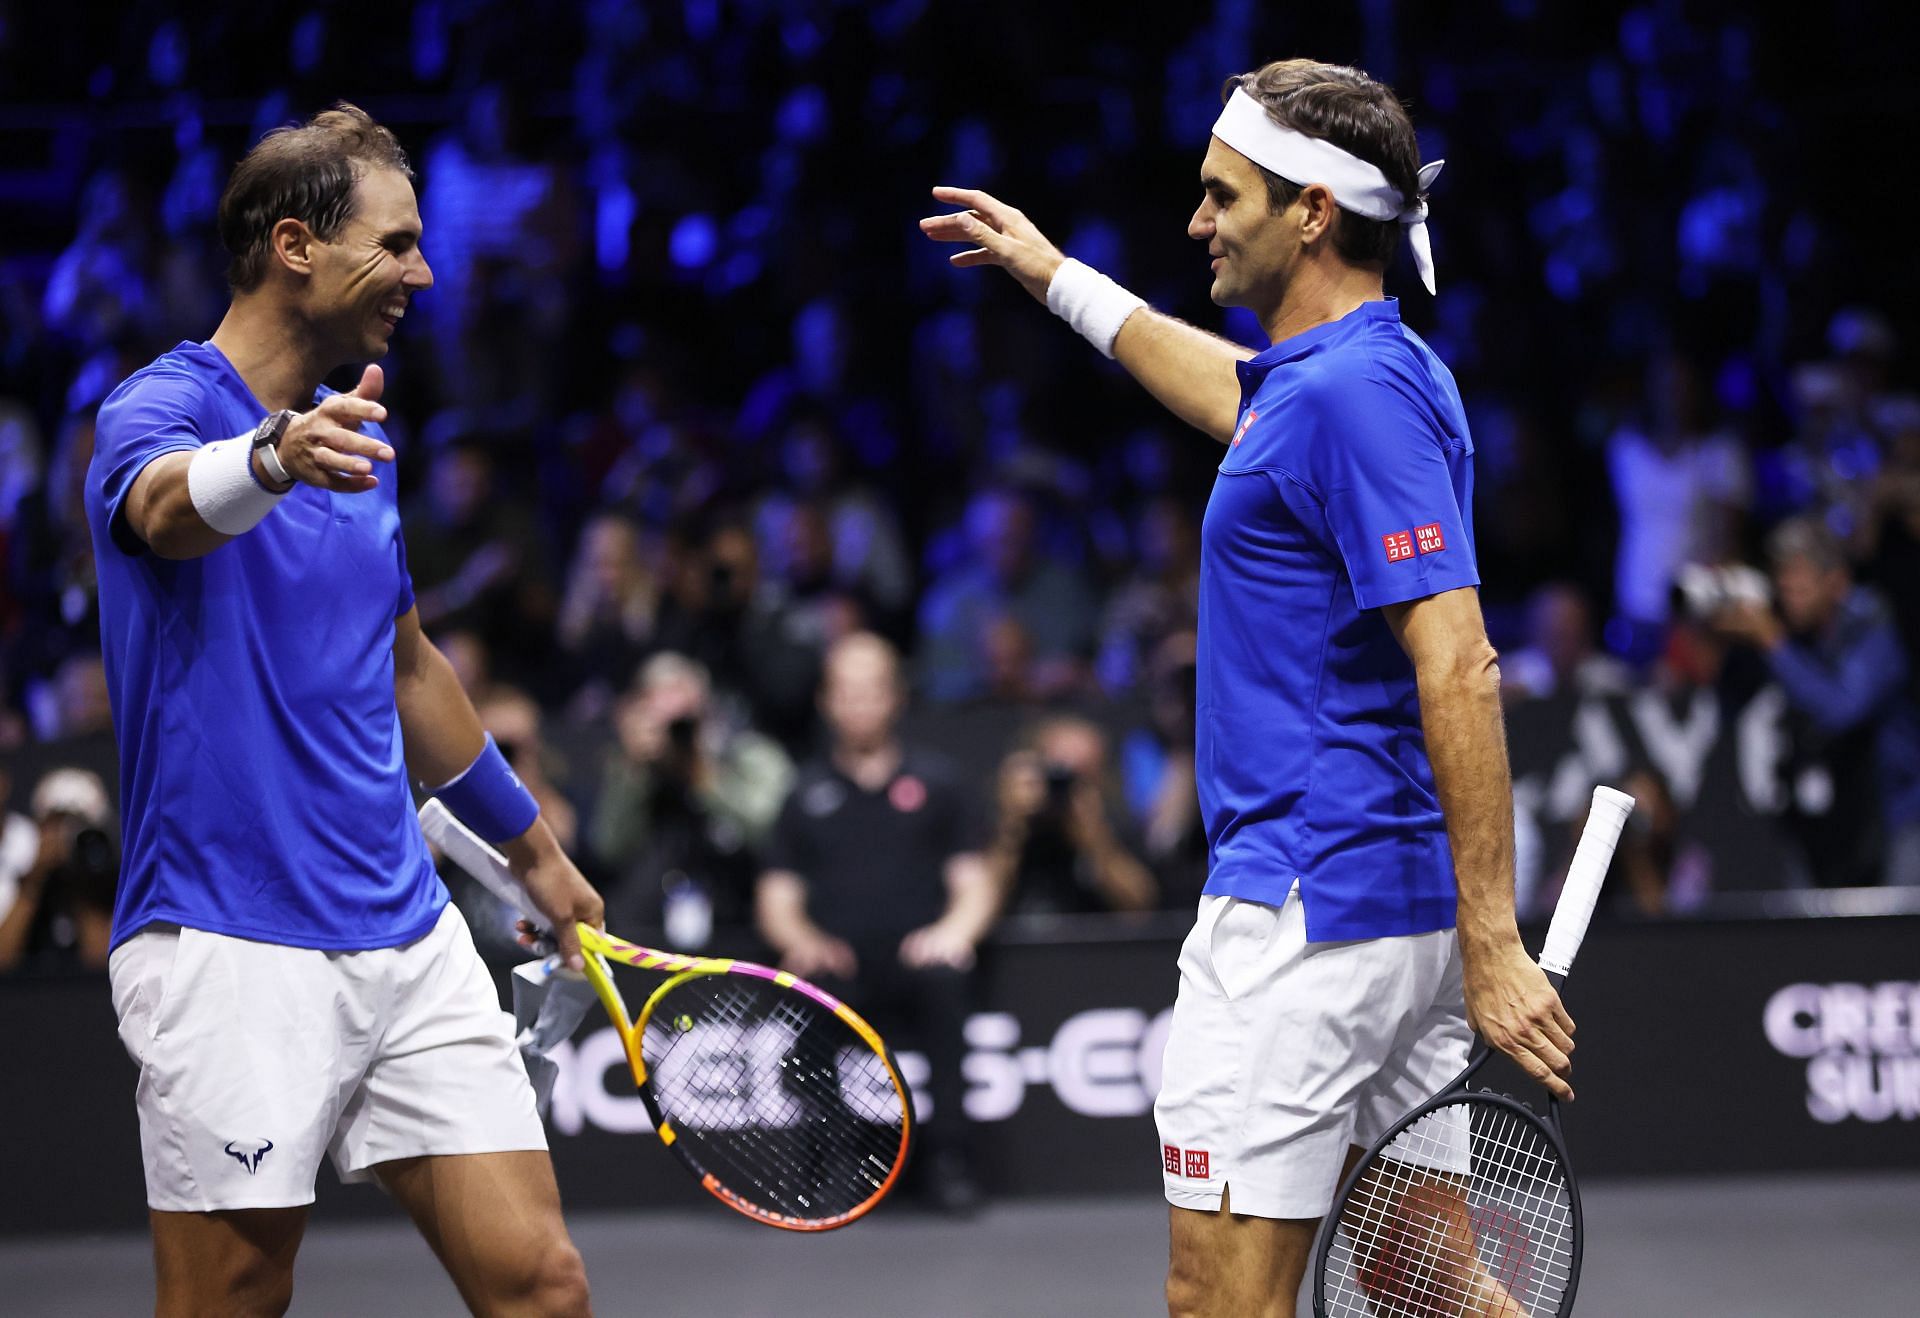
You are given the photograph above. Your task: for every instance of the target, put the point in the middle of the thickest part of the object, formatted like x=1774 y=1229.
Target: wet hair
x=303 y=172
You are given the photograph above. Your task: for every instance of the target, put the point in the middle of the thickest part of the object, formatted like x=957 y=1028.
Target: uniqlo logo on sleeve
x=1428 y=538
x=1197 y=1164
x=1170 y=1158
x=1399 y=546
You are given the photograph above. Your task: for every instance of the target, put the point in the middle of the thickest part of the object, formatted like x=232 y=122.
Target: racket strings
x=1466 y=1214
x=774 y=1095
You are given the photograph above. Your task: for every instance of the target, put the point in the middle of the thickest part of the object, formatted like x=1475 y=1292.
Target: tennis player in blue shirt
x=1350 y=757
x=287 y=970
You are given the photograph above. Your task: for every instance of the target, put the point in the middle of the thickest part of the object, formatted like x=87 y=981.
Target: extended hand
x=821 y=954
x=937 y=944
x=324 y=447
x=1511 y=1005
x=999 y=234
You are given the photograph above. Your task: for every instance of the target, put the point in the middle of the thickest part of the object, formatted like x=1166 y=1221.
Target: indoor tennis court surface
x=1775 y=1247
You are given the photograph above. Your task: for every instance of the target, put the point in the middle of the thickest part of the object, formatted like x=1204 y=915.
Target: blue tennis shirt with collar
x=263 y=786
x=1348 y=485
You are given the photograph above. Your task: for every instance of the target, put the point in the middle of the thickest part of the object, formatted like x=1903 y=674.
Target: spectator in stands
x=1833 y=647
x=19 y=846
x=757 y=650
x=1682 y=484
x=513 y=718
x=61 y=914
x=1161 y=596
x=1156 y=764
x=683 y=799
x=1055 y=847
x=1560 y=655
x=477 y=562
x=1664 y=872
x=1004 y=574
x=874 y=885
x=608 y=612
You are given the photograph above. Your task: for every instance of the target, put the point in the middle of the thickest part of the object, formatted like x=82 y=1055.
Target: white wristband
x=224 y=490
x=1093 y=304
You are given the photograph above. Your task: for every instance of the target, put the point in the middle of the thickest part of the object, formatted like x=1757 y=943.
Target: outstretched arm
x=1189 y=370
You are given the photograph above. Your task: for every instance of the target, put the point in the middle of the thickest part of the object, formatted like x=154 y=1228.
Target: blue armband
x=489 y=798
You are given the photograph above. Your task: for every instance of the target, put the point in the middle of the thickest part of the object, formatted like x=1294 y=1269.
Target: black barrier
x=1704 y=1046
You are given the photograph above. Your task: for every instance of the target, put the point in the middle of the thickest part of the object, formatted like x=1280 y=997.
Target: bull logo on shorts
x=248 y=1153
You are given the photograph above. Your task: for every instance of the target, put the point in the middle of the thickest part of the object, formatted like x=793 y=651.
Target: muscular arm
x=1189 y=370
x=442 y=734
x=1509 y=1001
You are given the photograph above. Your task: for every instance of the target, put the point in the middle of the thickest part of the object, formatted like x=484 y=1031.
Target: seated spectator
x=1003 y=574
x=683 y=798
x=1834 y=648
x=1157 y=772
x=874 y=887
x=476 y=560
x=1055 y=848
x=61 y=914
x=1159 y=598
x=1664 y=871
x=757 y=650
x=608 y=612
x=1560 y=655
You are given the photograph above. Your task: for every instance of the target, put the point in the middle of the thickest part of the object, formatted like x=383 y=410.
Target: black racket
x=1467 y=1207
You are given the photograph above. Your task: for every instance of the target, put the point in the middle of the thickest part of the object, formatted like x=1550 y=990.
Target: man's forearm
x=1189 y=370
x=438 y=723
x=1467 y=746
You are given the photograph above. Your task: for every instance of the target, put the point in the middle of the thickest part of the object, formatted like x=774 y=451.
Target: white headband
x=1356 y=185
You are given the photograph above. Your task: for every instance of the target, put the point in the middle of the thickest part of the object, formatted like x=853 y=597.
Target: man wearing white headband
x=1350 y=757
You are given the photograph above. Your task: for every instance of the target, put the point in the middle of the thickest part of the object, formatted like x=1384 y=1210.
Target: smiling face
x=363 y=281
x=1253 y=250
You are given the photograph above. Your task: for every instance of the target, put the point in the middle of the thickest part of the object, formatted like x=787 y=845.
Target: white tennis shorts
x=255 y=1059
x=1284 y=1052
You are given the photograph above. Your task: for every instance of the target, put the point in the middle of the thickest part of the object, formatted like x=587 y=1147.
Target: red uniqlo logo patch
x=1170 y=1158
x=1429 y=539
x=1399 y=546
x=1197 y=1164
x=1240 y=434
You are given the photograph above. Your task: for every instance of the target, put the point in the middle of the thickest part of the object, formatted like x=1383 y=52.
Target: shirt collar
x=1299 y=345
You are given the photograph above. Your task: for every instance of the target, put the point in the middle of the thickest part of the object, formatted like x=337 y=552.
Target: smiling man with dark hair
x=286 y=967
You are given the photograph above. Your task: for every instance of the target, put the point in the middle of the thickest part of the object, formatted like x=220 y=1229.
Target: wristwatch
x=266 y=440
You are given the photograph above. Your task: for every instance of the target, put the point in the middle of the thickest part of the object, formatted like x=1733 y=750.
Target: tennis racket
x=1467 y=1207
x=777 y=1096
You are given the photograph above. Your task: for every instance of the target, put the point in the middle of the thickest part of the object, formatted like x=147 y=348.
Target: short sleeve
x=154 y=417
x=785 y=842
x=1398 y=495
x=403 y=605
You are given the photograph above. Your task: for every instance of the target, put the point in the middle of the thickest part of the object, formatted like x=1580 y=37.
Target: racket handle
x=470 y=852
x=1605 y=819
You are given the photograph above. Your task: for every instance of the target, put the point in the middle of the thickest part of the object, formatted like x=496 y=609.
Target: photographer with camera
x=1854 y=776
x=1055 y=849
x=682 y=801
x=62 y=909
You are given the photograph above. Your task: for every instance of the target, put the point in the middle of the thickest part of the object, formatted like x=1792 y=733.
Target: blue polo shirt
x=263 y=789
x=1348 y=485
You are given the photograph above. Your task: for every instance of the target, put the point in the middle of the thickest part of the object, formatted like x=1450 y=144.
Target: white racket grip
x=1605 y=819
x=463 y=847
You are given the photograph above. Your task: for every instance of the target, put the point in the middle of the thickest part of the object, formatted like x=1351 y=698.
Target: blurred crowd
x=692 y=408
